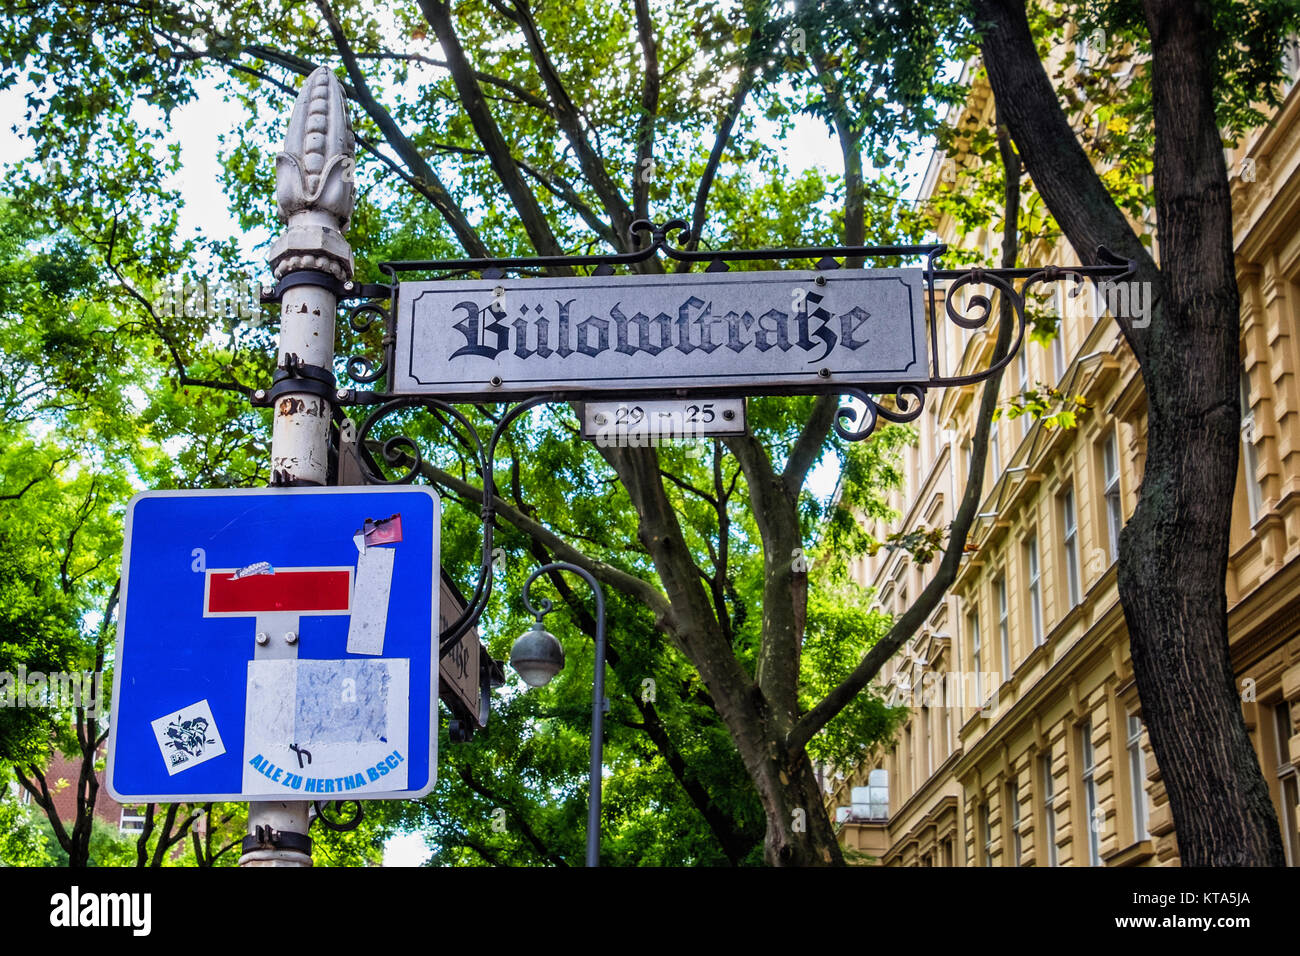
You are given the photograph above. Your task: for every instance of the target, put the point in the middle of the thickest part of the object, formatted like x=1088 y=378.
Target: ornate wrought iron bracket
x=851 y=423
x=404 y=452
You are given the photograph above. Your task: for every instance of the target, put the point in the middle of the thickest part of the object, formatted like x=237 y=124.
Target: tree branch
x=645 y=121
x=434 y=189
x=1060 y=169
x=699 y=215
x=912 y=619
x=523 y=95
x=566 y=115
x=438 y=14
x=529 y=833
x=45 y=801
x=629 y=584
x=808 y=448
x=733 y=843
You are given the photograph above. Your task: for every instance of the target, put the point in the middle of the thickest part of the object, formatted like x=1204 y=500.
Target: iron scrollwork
x=908 y=403
x=851 y=423
x=360 y=368
x=403 y=451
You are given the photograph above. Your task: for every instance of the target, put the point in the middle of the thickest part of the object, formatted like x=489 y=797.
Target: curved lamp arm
x=540 y=610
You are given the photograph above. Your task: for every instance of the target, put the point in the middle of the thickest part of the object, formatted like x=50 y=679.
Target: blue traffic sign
x=277 y=644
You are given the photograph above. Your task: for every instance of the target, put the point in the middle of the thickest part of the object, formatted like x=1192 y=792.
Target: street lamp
x=538 y=657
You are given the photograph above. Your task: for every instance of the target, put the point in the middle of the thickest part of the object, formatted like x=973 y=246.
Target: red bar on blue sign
x=302 y=590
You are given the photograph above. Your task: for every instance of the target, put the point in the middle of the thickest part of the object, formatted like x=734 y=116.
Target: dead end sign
x=277 y=644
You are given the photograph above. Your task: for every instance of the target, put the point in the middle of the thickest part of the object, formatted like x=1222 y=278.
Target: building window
x=1138 y=774
x=1035 y=590
x=131 y=820
x=1004 y=631
x=986 y=827
x=936 y=433
x=1058 y=351
x=1114 y=508
x=928 y=767
x=995 y=456
x=1249 y=457
x=872 y=801
x=1287 y=783
x=1049 y=808
x=1022 y=365
x=911 y=775
x=1013 y=808
x=947 y=721
x=1086 y=55
x=1071 y=538
x=973 y=622
x=1090 y=793
x=1290 y=63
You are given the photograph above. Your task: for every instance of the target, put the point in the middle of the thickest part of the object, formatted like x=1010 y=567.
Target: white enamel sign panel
x=701 y=332
x=640 y=421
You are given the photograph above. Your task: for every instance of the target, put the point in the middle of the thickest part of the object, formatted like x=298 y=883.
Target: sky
x=197 y=127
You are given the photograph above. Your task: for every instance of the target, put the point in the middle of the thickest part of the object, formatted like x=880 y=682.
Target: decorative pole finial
x=315 y=185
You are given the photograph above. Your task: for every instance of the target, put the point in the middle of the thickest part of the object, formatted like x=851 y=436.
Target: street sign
x=277 y=643
x=484 y=339
x=642 y=422
x=460 y=673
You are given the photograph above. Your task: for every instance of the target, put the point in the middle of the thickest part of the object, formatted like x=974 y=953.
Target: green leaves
x=841 y=628
x=1053 y=407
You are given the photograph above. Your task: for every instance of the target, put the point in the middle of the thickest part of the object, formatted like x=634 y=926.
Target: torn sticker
x=258 y=567
x=321 y=726
x=188 y=737
x=374 y=582
x=382 y=531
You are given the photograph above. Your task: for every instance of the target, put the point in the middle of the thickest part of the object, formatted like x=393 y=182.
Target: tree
x=57 y=537
x=692 y=545
x=1209 y=64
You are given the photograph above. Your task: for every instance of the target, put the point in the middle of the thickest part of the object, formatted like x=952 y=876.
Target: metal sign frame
x=774 y=331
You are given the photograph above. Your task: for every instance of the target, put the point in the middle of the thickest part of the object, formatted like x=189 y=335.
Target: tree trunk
x=1173 y=553
x=799 y=832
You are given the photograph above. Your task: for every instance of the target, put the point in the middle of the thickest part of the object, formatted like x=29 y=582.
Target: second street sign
x=484 y=339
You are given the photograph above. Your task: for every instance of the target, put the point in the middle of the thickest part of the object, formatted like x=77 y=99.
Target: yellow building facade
x=1025 y=744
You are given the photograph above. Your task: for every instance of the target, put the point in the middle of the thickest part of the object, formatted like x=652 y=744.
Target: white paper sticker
x=374 y=581
x=188 y=737
x=326 y=727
